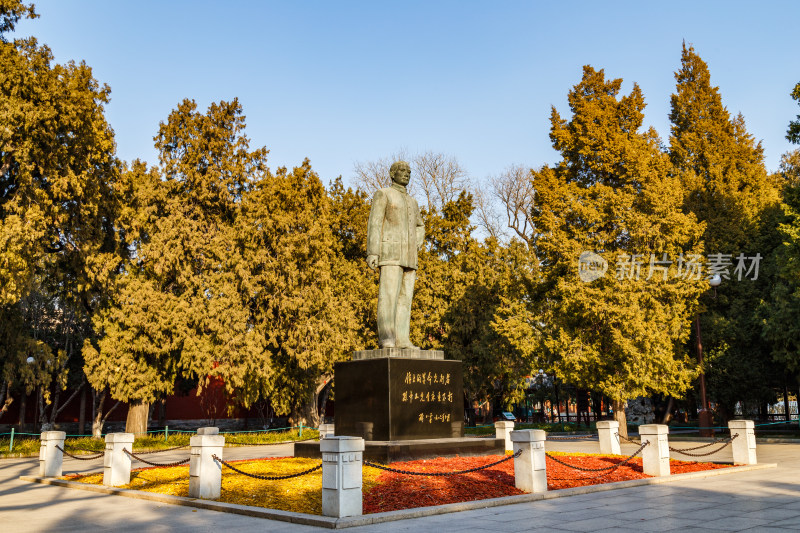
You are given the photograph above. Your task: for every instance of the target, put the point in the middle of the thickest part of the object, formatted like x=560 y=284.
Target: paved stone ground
x=762 y=500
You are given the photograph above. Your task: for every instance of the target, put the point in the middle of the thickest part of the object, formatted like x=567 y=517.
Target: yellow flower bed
x=301 y=494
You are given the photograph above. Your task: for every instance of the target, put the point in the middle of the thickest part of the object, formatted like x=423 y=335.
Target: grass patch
x=29 y=446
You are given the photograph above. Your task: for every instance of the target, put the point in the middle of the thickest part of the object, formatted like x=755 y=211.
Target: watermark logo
x=591 y=266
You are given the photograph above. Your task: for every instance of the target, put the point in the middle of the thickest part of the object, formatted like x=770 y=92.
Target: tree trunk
x=558 y=402
x=98 y=398
x=309 y=413
x=597 y=406
x=323 y=401
x=136 y=422
x=619 y=416
x=98 y=418
x=42 y=420
x=23 y=402
x=51 y=421
x=56 y=410
x=668 y=412
x=786 y=411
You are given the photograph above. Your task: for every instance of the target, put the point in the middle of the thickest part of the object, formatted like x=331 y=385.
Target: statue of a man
x=394 y=234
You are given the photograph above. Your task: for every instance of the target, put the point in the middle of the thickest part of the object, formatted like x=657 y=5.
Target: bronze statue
x=394 y=234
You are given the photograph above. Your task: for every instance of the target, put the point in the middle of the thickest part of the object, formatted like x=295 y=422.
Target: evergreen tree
x=728 y=188
x=781 y=314
x=58 y=175
x=613 y=194
x=477 y=332
x=302 y=296
x=176 y=308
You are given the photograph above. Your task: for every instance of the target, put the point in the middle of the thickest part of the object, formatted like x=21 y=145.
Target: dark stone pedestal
x=408 y=450
x=395 y=398
x=406 y=404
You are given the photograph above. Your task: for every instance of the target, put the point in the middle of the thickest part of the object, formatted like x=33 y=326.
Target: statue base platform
x=398 y=398
x=411 y=353
x=408 y=450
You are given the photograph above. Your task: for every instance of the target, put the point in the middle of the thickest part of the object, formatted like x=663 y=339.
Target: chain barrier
x=164 y=450
x=573 y=437
x=80 y=458
x=267 y=443
x=441 y=474
x=266 y=478
x=166 y=465
x=607 y=470
x=685 y=451
x=632 y=441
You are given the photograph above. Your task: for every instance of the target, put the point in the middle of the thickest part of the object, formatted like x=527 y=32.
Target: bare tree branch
x=436 y=178
x=515 y=190
x=489 y=219
x=373 y=175
x=440 y=177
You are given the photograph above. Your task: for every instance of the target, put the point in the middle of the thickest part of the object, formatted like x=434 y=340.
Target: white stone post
x=608 y=434
x=530 y=468
x=655 y=456
x=341 y=476
x=51 y=458
x=502 y=430
x=744 y=445
x=205 y=474
x=326 y=430
x=116 y=463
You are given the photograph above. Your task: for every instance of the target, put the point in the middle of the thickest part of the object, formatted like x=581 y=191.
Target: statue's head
x=400 y=172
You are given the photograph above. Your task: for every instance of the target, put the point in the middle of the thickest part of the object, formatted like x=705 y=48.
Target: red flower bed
x=391 y=491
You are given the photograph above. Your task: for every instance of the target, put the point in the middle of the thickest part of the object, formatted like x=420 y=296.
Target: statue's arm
x=375 y=228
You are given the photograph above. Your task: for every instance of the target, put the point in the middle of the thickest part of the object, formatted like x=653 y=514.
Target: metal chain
x=712 y=452
x=611 y=468
x=166 y=465
x=604 y=473
x=266 y=478
x=716 y=441
x=440 y=474
x=78 y=457
x=87 y=450
x=572 y=437
x=267 y=443
x=164 y=450
x=632 y=441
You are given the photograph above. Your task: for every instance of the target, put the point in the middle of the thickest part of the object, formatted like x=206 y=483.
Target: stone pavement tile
x=611 y=501
x=591 y=524
x=508 y=527
x=774 y=514
x=769 y=529
x=581 y=514
x=792 y=505
x=790 y=523
x=548 y=506
x=541 y=517
x=735 y=523
x=754 y=504
x=668 y=523
x=647 y=513
x=705 y=514
x=681 y=505
x=619 y=530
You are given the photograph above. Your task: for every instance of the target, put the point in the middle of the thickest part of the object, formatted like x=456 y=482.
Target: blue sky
x=340 y=82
